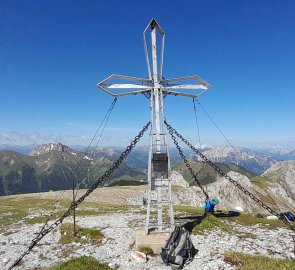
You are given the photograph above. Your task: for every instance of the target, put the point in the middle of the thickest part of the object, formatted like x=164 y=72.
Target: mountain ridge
x=54 y=166
x=55 y=169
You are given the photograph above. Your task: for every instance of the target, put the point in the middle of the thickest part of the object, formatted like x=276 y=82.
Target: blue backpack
x=287 y=215
x=290 y=216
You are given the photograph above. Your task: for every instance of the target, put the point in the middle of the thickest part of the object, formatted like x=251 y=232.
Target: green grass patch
x=210 y=223
x=14 y=209
x=43 y=219
x=17 y=208
x=83 y=235
x=83 y=210
x=260 y=181
x=146 y=250
x=253 y=262
x=188 y=210
x=250 y=220
x=82 y=263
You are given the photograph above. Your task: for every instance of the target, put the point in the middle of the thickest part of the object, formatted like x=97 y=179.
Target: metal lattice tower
x=156 y=87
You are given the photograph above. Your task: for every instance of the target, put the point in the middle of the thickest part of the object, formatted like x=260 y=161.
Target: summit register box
x=160 y=164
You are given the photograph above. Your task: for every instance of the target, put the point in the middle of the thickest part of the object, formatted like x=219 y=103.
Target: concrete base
x=156 y=241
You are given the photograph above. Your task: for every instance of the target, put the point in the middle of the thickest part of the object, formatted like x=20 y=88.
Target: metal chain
x=75 y=204
x=172 y=131
x=222 y=173
x=252 y=196
x=186 y=163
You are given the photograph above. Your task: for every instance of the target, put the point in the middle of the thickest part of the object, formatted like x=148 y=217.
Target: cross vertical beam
x=157 y=92
x=156 y=87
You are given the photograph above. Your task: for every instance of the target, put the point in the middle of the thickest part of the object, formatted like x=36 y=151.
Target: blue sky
x=53 y=53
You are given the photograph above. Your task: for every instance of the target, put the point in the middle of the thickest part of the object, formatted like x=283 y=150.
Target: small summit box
x=160 y=163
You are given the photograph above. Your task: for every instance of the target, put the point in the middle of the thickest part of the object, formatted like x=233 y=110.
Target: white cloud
x=203 y=145
x=30 y=138
x=21 y=138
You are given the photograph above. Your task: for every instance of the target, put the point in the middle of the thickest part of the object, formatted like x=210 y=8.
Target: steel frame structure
x=159 y=184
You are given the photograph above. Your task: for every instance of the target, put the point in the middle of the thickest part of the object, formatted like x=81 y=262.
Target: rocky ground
x=120 y=225
x=119 y=229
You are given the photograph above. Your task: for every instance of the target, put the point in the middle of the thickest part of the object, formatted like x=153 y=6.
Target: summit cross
x=156 y=87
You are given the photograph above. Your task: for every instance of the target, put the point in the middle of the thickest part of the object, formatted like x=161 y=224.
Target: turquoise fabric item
x=216 y=200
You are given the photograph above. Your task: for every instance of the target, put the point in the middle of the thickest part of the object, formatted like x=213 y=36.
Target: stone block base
x=155 y=240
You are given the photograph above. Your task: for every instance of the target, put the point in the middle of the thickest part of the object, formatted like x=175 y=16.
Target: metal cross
x=156 y=87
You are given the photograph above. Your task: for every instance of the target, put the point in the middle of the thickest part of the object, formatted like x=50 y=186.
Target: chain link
x=75 y=204
x=172 y=131
x=188 y=165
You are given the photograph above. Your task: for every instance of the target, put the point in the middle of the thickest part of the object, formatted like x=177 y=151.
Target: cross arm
x=204 y=84
x=186 y=86
x=108 y=87
x=174 y=93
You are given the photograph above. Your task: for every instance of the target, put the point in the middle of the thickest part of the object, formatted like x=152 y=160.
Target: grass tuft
x=83 y=235
x=250 y=220
x=146 y=250
x=82 y=263
x=210 y=223
x=253 y=262
x=188 y=210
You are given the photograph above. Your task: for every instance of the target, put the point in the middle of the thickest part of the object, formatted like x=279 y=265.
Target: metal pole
x=156 y=90
x=74 y=212
x=149 y=189
x=157 y=120
x=171 y=212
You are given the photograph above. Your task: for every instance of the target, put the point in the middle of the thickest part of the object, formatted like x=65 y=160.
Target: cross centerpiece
x=155 y=86
x=155 y=78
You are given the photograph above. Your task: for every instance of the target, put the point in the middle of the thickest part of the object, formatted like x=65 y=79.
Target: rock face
x=178 y=180
x=231 y=197
x=279 y=182
x=283 y=173
x=46 y=148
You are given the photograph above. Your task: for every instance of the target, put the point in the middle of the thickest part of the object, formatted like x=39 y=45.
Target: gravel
x=116 y=248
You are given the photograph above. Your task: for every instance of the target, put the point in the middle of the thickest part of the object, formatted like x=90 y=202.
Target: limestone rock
x=178 y=180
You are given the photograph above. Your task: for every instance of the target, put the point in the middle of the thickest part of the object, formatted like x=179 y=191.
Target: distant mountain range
x=255 y=161
x=279 y=154
x=252 y=160
x=23 y=149
x=54 y=166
